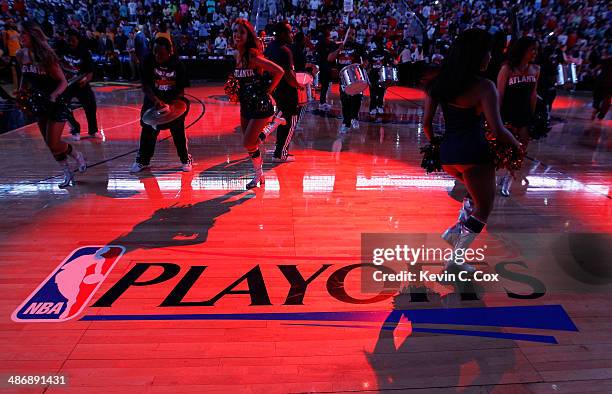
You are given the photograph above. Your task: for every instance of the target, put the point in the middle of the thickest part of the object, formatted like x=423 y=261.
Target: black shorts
x=59 y=111
x=465 y=148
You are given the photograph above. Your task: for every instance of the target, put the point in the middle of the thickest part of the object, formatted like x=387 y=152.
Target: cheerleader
x=42 y=77
x=465 y=97
x=517 y=85
x=255 y=93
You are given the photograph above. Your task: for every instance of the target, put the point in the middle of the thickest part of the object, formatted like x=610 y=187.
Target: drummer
x=164 y=79
x=377 y=59
x=286 y=93
x=348 y=52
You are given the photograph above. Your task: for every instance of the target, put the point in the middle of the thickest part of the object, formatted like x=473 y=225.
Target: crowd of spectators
x=579 y=31
x=119 y=31
x=413 y=30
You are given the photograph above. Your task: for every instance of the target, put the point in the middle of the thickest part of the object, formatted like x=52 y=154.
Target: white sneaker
x=187 y=167
x=380 y=110
x=451 y=235
x=373 y=112
x=466 y=210
x=505 y=185
x=68 y=179
x=354 y=124
x=75 y=137
x=80 y=159
x=324 y=107
x=137 y=167
x=344 y=129
x=288 y=159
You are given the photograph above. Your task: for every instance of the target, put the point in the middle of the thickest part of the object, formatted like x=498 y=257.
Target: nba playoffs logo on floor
x=66 y=292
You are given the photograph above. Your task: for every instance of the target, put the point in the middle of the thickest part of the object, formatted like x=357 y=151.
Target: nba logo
x=66 y=292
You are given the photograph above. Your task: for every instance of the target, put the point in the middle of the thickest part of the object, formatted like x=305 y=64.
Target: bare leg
x=251 y=143
x=454 y=172
x=480 y=183
x=251 y=133
x=61 y=150
x=54 y=141
x=479 y=179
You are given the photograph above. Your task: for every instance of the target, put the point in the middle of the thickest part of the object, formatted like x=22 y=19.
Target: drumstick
x=346 y=36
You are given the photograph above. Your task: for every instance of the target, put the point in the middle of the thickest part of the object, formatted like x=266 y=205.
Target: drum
x=314 y=71
x=353 y=79
x=304 y=96
x=560 y=75
x=160 y=117
x=388 y=76
x=567 y=73
x=573 y=75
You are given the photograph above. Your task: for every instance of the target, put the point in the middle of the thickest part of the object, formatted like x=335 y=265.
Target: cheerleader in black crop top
x=42 y=83
x=256 y=102
x=517 y=86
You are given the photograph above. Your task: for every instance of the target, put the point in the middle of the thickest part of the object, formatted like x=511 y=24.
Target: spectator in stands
x=220 y=44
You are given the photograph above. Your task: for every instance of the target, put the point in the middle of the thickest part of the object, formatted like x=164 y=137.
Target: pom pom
x=34 y=103
x=506 y=156
x=232 y=88
x=431 y=156
x=22 y=98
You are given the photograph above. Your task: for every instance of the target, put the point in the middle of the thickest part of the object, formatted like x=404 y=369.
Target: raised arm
x=334 y=55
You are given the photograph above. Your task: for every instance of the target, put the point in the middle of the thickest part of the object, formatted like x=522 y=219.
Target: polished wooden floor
x=311 y=212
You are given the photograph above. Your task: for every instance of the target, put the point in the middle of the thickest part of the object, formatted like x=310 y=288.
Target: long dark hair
x=461 y=67
x=42 y=52
x=518 y=50
x=252 y=47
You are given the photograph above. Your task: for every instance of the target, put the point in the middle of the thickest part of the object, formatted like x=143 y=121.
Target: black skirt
x=256 y=106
